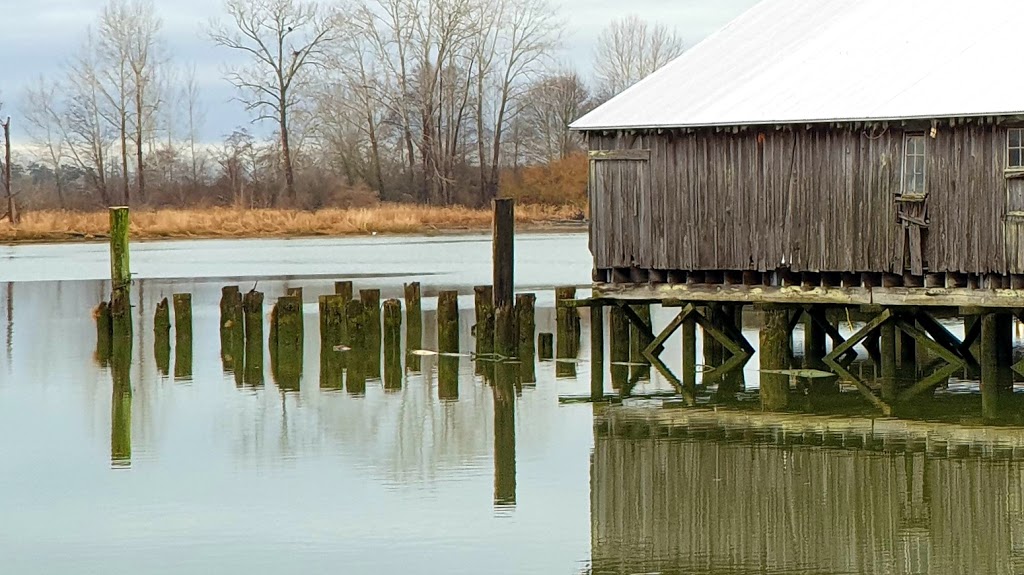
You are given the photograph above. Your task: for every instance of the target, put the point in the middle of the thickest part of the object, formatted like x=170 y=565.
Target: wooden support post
x=689 y=334
x=814 y=344
x=732 y=381
x=289 y=336
x=232 y=330
x=162 y=337
x=887 y=349
x=546 y=346
x=775 y=353
x=713 y=351
x=356 y=331
x=527 y=323
x=332 y=334
x=120 y=267
x=371 y=307
x=618 y=347
x=392 y=345
x=448 y=322
x=996 y=360
x=596 y=352
x=413 y=325
x=104 y=333
x=484 y=328
x=182 y=335
x=504 y=252
x=907 y=354
x=252 y=310
x=639 y=340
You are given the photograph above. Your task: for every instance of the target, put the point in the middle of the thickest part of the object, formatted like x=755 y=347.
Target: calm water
x=225 y=478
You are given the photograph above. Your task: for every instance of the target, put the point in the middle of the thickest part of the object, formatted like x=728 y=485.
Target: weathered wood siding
x=818 y=200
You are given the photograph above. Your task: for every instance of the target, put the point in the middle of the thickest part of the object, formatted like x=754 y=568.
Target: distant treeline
x=425 y=101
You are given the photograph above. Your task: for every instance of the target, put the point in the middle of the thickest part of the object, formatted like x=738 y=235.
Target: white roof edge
x=576 y=128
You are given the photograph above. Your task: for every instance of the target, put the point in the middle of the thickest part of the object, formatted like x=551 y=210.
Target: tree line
x=426 y=101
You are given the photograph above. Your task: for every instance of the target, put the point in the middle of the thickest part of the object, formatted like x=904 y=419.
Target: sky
x=40 y=36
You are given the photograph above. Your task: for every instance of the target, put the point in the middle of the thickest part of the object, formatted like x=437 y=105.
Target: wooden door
x=1014 y=224
x=619 y=207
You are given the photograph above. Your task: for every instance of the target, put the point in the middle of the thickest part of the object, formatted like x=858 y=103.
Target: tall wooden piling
x=526 y=318
x=162 y=337
x=332 y=334
x=413 y=325
x=484 y=328
x=355 y=375
x=714 y=352
x=448 y=322
x=371 y=307
x=289 y=334
x=252 y=311
x=120 y=267
x=504 y=252
x=392 y=345
x=597 y=352
x=182 y=335
x=775 y=353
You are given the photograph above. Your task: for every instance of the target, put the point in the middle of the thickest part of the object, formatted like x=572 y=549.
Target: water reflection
x=758 y=493
x=826 y=486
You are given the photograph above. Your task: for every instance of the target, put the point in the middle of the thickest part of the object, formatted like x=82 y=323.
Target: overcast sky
x=39 y=36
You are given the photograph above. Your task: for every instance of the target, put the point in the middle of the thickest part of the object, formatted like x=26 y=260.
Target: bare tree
x=85 y=125
x=142 y=28
x=12 y=212
x=284 y=40
x=528 y=32
x=114 y=79
x=630 y=49
x=44 y=124
x=550 y=105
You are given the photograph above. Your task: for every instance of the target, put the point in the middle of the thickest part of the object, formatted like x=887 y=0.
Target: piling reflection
x=121 y=397
x=162 y=337
x=505 y=381
x=182 y=336
x=742 y=492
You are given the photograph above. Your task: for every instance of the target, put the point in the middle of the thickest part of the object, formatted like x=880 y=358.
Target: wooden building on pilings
x=807 y=156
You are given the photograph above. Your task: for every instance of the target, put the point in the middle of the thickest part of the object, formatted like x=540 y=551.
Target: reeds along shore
x=238 y=223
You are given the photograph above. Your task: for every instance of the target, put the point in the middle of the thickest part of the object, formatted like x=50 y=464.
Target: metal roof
x=803 y=61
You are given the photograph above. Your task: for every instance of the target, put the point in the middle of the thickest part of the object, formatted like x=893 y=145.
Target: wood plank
x=612 y=155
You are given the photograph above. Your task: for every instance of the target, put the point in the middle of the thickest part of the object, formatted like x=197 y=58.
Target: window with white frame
x=914 y=160
x=1015 y=148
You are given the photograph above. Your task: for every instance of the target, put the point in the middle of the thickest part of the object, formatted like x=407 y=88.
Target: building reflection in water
x=750 y=492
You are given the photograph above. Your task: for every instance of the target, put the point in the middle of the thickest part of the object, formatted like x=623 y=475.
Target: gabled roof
x=806 y=61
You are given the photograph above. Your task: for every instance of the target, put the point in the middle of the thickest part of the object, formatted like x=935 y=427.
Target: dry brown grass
x=235 y=223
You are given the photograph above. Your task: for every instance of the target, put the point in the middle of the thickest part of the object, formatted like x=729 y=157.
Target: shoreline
x=50 y=227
